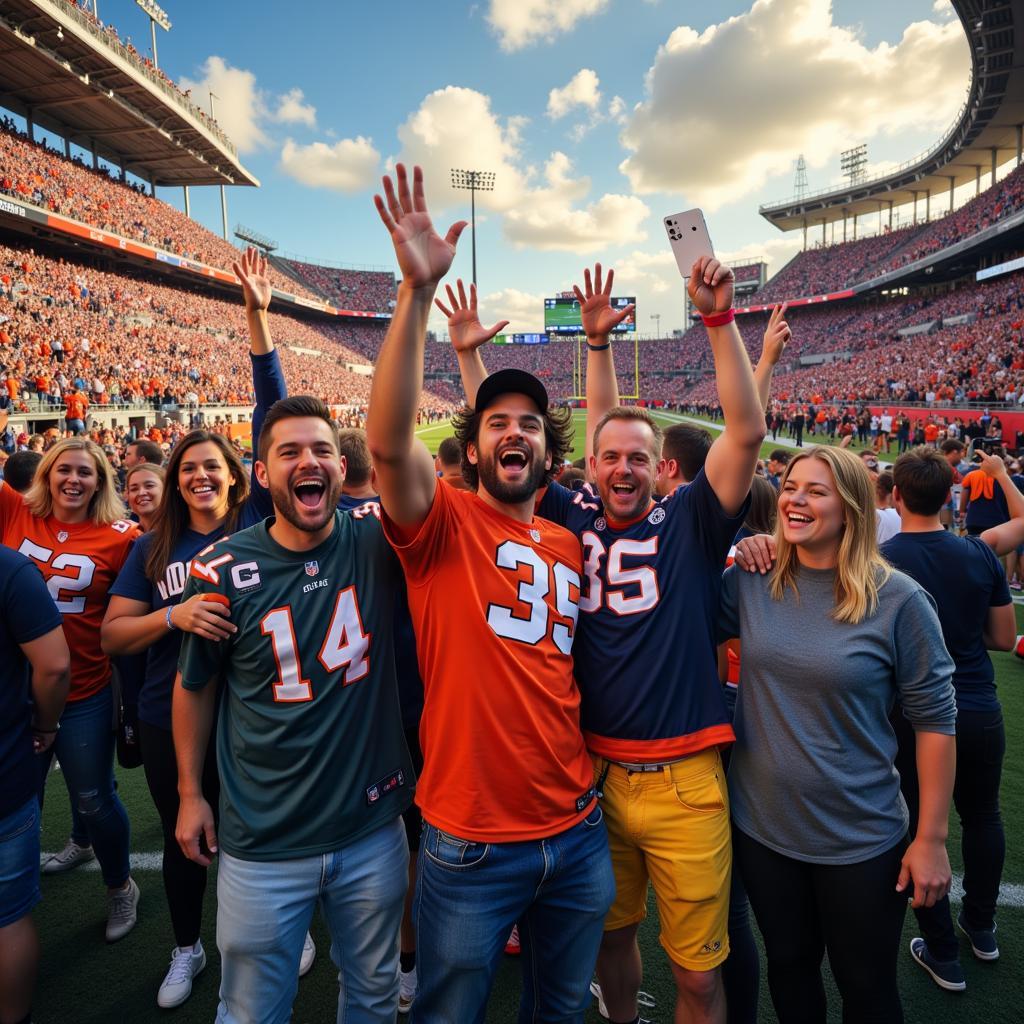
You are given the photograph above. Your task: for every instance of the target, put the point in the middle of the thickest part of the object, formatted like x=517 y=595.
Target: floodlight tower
x=223 y=195
x=157 y=16
x=474 y=181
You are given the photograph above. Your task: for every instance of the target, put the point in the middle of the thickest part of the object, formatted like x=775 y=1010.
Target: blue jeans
x=85 y=749
x=468 y=897
x=19 y=862
x=263 y=913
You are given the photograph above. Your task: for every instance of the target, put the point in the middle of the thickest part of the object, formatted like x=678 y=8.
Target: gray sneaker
x=122 y=911
x=70 y=857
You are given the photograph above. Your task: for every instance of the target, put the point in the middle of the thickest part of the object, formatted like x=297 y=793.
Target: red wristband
x=719 y=319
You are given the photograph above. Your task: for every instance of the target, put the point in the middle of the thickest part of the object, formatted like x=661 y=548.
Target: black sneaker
x=982 y=941
x=946 y=974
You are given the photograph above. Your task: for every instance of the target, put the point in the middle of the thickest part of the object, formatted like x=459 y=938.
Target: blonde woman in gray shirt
x=832 y=636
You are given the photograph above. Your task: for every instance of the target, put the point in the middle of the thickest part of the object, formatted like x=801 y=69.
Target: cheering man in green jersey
x=314 y=769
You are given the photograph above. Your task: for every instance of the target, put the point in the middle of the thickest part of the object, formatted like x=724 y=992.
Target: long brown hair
x=173 y=515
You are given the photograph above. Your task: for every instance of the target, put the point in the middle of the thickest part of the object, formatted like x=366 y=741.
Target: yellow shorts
x=672 y=827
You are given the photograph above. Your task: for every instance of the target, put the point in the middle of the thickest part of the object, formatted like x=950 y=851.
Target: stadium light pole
x=157 y=16
x=656 y=317
x=223 y=196
x=474 y=181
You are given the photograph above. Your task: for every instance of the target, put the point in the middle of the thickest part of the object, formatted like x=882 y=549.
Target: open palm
x=251 y=271
x=464 y=327
x=596 y=312
x=423 y=255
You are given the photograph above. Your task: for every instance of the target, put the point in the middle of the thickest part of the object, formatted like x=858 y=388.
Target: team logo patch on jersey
x=657 y=516
x=312 y=568
x=535 y=534
x=599 y=523
x=63 y=536
x=385 y=786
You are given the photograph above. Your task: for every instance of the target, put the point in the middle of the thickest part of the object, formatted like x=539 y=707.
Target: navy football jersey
x=645 y=652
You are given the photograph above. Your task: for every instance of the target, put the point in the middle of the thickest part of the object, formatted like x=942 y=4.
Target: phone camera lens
x=693 y=227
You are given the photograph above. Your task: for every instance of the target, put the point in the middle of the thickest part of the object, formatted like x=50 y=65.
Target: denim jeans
x=468 y=897
x=85 y=749
x=263 y=913
x=19 y=862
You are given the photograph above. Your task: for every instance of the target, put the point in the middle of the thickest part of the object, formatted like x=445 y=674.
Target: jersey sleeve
x=729 y=606
x=132 y=581
x=29 y=610
x=1000 y=594
x=575 y=510
x=700 y=508
x=11 y=502
x=924 y=669
x=201 y=660
x=421 y=552
x=269 y=385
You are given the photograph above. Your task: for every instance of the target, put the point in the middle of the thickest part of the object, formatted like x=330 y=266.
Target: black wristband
x=599 y=348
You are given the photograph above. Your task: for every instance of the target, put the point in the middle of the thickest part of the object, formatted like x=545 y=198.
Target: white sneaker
x=122 y=911
x=308 y=956
x=177 y=986
x=70 y=857
x=406 y=990
x=644 y=1000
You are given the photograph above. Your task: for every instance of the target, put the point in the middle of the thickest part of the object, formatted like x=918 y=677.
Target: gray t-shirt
x=812 y=773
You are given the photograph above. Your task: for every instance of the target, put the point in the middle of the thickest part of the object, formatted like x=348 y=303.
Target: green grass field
x=84 y=981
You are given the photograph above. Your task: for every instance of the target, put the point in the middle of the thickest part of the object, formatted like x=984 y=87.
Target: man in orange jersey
x=512 y=830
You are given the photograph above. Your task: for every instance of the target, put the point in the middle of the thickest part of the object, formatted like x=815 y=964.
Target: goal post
x=579 y=369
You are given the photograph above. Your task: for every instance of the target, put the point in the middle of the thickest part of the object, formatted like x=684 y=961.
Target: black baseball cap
x=511 y=381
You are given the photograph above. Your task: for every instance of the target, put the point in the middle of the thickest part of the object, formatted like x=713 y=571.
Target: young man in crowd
x=653 y=713
x=512 y=829
x=314 y=770
x=965 y=579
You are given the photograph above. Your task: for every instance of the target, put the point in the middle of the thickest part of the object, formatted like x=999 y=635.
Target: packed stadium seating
x=36 y=174
x=366 y=290
x=131 y=340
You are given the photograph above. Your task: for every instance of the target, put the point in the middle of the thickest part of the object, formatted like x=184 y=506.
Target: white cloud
x=617 y=109
x=523 y=310
x=550 y=220
x=292 y=110
x=582 y=90
x=520 y=23
x=943 y=7
x=239 y=105
x=815 y=89
x=349 y=165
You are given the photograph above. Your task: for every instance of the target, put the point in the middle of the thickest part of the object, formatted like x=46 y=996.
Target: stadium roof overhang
x=86 y=87
x=987 y=132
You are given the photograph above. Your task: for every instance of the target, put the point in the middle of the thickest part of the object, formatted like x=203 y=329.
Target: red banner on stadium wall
x=1011 y=419
x=810 y=300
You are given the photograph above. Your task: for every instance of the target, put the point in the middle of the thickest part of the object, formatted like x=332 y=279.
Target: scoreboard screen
x=562 y=315
x=520 y=339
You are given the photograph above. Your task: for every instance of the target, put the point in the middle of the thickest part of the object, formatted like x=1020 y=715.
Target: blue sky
x=665 y=105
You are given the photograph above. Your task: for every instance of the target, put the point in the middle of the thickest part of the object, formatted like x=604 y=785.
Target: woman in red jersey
x=70 y=523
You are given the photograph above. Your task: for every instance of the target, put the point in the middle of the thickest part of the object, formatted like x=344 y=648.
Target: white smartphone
x=689 y=238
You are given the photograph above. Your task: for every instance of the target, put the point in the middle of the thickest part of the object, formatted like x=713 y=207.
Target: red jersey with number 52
x=79 y=562
x=494 y=604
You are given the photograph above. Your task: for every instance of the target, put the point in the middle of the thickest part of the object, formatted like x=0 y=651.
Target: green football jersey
x=310 y=746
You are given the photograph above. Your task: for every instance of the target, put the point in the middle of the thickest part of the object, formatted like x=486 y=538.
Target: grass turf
x=85 y=981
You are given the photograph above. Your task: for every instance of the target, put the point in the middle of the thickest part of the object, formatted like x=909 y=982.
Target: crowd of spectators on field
x=33 y=172
x=69 y=328
x=369 y=291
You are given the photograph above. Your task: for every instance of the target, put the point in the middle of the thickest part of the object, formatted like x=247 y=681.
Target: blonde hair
x=104 y=508
x=861 y=572
x=144 y=467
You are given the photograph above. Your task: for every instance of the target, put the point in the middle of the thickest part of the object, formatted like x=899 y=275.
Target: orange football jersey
x=79 y=562
x=494 y=604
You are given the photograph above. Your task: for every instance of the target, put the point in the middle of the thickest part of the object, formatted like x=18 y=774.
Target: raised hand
x=464 y=327
x=777 y=335
x=423 y=255
x=992 y=465
x=251 y=271
x=596 y=312
x=710 y=286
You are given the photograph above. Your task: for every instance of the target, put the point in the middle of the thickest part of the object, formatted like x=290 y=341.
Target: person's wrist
x=719 y=318
x=598 y=342
x=169 y=617
x=419 y=292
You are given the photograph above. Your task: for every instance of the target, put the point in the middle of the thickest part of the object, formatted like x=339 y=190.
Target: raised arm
x=599 y=320
x=405 y=470
x=251 y=271
x=467 y=335
x=1008 y=536
x=776 y=337
x=733 y=456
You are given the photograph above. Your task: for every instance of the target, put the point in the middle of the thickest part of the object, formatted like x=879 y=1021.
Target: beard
x=510 y=494
x=285 y=504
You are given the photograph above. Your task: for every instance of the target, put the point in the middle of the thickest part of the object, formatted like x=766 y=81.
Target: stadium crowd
x=367 y=290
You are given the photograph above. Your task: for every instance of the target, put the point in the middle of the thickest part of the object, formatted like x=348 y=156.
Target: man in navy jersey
x=645 y=658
